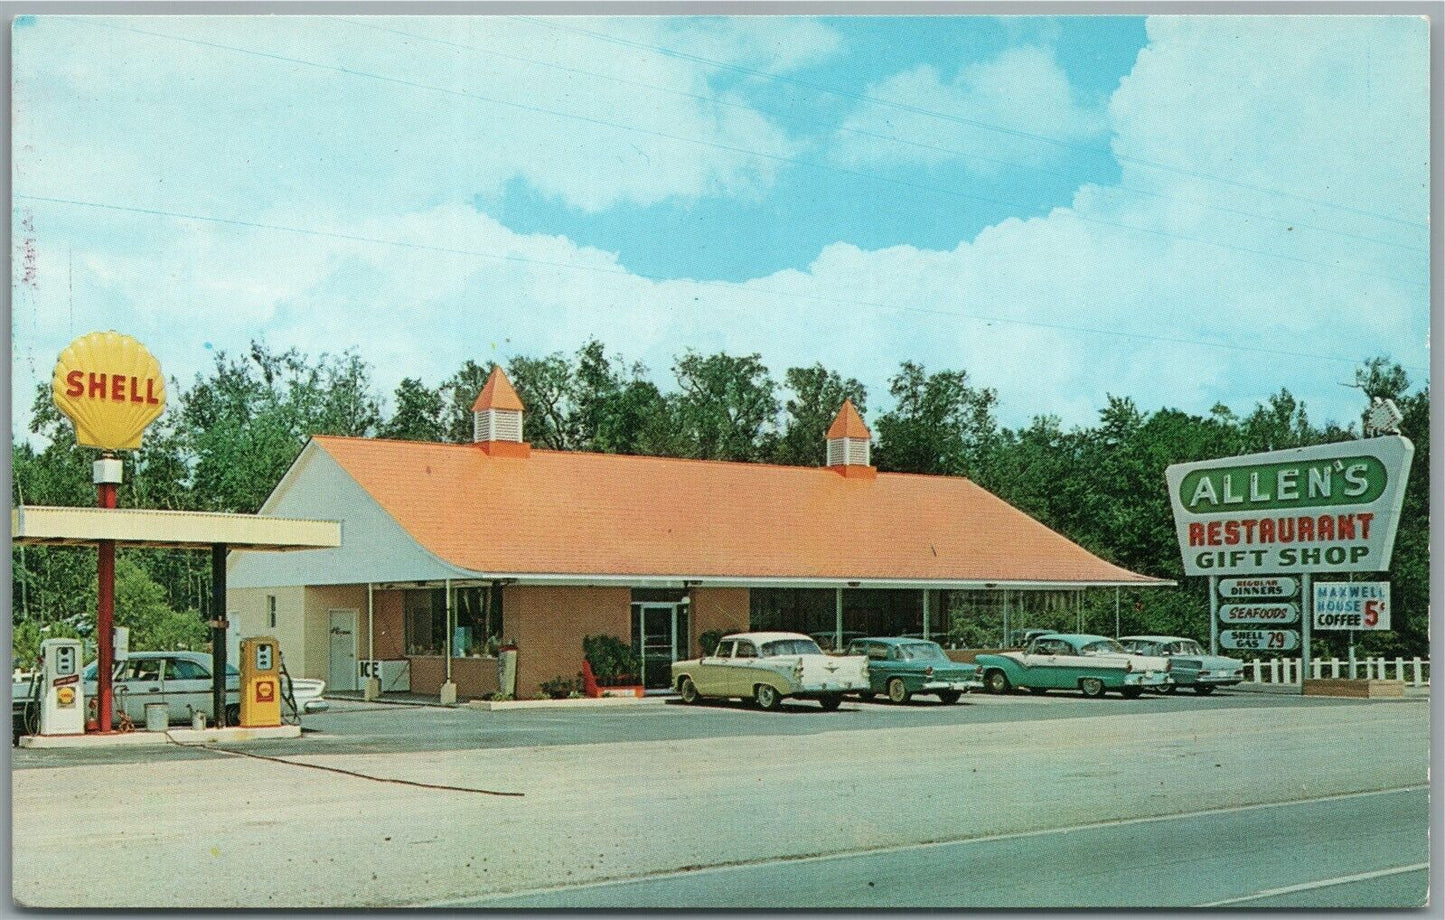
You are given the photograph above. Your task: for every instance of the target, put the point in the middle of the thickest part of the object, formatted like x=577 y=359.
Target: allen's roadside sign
x=1331 y=508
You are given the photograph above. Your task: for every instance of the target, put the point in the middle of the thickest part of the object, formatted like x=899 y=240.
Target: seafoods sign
x=1328 y=508
x=111 y=388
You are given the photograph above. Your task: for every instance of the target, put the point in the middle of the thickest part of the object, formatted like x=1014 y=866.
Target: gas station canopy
x=68 y=526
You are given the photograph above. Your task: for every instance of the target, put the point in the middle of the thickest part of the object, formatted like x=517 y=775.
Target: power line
x=733 y=288
x=1120 y=189
x=919 y=110
x=745 y=151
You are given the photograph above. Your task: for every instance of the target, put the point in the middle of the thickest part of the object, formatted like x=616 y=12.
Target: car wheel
x=1038 y=691
x=688 y=690
x=766 y=696
x=233 y=715
x=996 y=682
x=830 y=701
x=949 y=697
x=1092 y=687
x=866 y=695
x=896 y=691
x=1131 y=693
x=1166 y=688
x=1202 y=689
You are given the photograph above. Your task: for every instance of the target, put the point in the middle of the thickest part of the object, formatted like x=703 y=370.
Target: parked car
x=1189 y=664
x=181 y=680
x=766 y=667
x=901 y=667
x=1066 y=661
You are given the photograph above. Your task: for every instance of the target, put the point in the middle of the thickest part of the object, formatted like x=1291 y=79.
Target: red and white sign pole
x=106 y=473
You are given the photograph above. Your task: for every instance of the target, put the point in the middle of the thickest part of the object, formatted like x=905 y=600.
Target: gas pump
x=260 y=682
x=62 y=701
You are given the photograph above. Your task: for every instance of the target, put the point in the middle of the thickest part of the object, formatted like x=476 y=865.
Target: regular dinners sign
x=1330 y=508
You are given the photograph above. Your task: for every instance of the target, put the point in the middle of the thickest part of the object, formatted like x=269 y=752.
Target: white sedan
x=181 y=680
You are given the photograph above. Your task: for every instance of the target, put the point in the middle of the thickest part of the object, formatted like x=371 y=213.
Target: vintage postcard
x=521 y=458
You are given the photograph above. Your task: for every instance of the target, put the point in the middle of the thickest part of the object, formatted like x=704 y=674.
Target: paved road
x=703 y=787
x=1356 y=851
x=361 y=728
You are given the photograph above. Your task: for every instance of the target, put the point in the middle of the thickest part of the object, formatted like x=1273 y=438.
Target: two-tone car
x=767 y=667
x=902 y=667
x=1189 y=664
x=1071 y=661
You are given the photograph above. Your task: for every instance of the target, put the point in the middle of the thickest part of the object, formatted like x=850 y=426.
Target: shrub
x=613 y=661
x=561 y=688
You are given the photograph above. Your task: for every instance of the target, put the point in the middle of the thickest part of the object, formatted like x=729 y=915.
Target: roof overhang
x=742 y=581
x=55 y=526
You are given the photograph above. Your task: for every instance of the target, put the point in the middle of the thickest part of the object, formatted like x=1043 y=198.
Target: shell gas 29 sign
x=1328 y=508
x=111 y=387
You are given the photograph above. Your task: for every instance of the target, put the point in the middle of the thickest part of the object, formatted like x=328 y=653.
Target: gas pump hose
x=211 y=749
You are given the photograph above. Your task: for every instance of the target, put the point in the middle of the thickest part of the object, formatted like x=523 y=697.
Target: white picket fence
x=1415 y=672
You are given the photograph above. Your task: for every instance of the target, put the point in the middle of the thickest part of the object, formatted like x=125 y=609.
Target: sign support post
x=107 y=474
x=1307 y=617
x=1214 y=614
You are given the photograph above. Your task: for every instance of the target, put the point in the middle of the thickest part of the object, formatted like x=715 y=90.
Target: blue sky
x=1184 y=210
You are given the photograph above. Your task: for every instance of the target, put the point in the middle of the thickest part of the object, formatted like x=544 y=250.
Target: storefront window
x=476 y=621
x=810 y=611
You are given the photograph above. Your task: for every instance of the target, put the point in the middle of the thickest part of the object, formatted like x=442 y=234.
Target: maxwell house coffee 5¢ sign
x=111 y=388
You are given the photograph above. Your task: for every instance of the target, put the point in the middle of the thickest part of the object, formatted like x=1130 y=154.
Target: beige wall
x=548 y=625
x=247 y=609
x=716 y=608
x=319 y=601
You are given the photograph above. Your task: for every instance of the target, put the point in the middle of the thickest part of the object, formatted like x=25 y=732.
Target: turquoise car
x=901 y=667
x=1067 y=661
x=1189 y=664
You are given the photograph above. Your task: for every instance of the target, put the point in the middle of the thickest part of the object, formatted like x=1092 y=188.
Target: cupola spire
x=849 y=443
x=497 y=418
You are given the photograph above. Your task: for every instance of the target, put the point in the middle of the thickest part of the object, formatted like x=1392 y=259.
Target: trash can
x=158 y=717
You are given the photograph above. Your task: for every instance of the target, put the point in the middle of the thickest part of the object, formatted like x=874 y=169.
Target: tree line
x=228 y=438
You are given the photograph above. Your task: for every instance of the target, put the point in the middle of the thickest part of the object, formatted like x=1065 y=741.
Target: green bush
x=561 y=688
x=613 y=661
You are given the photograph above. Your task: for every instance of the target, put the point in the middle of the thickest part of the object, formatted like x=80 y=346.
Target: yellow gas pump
x=260 y=682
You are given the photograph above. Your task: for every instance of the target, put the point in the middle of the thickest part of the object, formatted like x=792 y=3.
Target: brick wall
x=549 y=623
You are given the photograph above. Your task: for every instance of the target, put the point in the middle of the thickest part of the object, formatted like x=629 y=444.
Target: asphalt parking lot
x=353 y=727
x=1234 y=798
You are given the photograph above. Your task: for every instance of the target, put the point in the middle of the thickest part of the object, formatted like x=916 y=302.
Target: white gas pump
x=62 y=700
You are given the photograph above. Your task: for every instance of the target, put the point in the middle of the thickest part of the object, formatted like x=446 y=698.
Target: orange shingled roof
x=606 y=514
x=848 y=424
x=498 y=393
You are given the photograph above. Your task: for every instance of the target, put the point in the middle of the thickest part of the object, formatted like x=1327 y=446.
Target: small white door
x=341 y=672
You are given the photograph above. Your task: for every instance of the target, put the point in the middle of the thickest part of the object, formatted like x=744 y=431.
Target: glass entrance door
x=663 y=631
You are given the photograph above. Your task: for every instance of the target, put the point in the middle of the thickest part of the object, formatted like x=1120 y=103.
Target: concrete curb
x=179 y=736
x=586 y=703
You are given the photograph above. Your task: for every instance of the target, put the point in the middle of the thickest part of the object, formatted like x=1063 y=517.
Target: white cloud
x=1022 y=90
x=1287 y=104
x=379 y=120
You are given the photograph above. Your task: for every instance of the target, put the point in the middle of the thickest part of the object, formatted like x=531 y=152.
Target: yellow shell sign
x=110 y=387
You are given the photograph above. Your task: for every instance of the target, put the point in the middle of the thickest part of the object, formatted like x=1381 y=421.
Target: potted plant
x=609 y=667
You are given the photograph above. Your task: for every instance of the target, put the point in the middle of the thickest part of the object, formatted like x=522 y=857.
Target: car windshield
x=922 y=651
x=1101 y=647
x=1188 y=647
x=791 y=647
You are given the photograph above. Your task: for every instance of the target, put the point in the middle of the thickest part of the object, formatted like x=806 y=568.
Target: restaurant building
x=449 y=551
